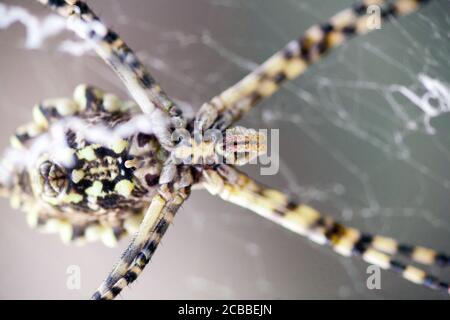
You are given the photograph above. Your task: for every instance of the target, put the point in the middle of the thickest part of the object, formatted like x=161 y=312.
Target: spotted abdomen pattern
x=73 y=178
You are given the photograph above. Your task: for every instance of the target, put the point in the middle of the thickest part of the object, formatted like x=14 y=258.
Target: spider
x=120 y=181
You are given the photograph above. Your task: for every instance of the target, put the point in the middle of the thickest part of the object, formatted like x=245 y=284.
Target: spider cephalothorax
x=234 y=146
x=95 y=167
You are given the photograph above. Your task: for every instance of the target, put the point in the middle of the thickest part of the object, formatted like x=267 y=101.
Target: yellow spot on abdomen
x=73 y=198
x=119 y=146
x=77 y=175
x=124 y=187
x=39 y=118
x=15 y=143
x=95 y=190
x=87 y=153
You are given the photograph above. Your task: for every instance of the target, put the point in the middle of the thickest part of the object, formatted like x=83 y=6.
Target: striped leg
x=294 y=59
x=108 y=45
x=237 y=188
x=159 y=215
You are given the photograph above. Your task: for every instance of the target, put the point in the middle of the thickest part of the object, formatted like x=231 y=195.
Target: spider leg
x=294 y=59
x=159 y=215
x=142 y=86
x=236 y=187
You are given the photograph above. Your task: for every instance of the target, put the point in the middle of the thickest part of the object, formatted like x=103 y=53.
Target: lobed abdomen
x=72 y=178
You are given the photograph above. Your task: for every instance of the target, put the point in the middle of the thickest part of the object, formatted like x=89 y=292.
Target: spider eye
x=53 y=178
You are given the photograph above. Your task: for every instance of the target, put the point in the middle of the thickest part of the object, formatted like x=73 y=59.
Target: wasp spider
x=106 y=181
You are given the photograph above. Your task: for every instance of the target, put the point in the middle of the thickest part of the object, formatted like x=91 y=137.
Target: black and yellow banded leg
x=417 y=254
x=157 y=219
x=239 y=189
x=115 y=52
x=295 y=58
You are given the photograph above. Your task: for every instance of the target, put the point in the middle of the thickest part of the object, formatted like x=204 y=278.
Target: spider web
x=363 y=137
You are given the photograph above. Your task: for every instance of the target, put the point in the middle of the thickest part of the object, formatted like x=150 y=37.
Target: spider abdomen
x=82 y=165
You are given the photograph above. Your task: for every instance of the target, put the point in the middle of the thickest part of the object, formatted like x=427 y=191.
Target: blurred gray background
x=351 y=145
